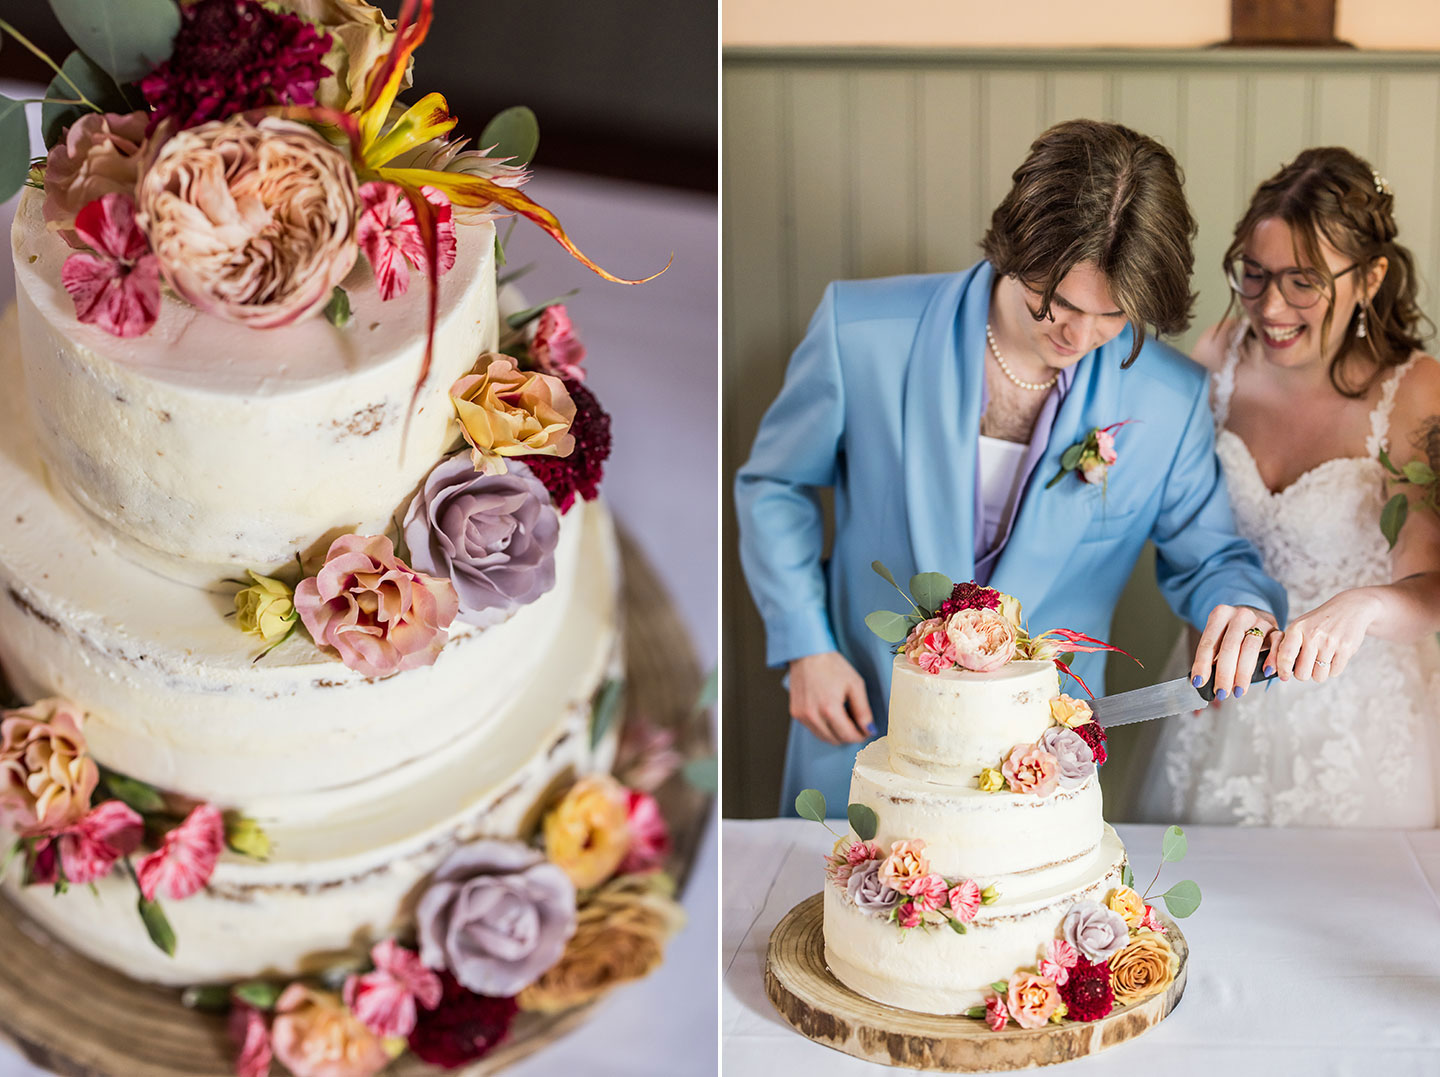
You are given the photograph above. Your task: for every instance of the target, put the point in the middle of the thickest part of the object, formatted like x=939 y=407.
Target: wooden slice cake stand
x=819 y=1006
x=70 y=1015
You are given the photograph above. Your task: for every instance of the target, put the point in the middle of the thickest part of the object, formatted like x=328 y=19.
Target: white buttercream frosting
x=207 y=448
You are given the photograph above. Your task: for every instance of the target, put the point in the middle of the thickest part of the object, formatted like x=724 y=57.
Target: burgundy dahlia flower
x=464 y=1027
x=1093 y=734
x=580 y=472
x=969 y=596
x=1087 y=994
x=233 y=55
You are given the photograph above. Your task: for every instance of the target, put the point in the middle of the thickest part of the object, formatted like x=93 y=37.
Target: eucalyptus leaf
x=14 y=147
x=930 y=589
x=890 y=626
x=810 y=804
x=884 y=573
x=337 y=311
x=211 y=998
x=1127 y=877
x=703 y=774
x=1071 y=458
x=91 y=80
x=1392 y=518
x=604 y=710
x=1182 y=899
x=128 y=38
x=136 y=794
x=515 y=133
x=258 y=993
x=1419 y=472
x=1174 y=845
x=157 y=925
x=1386 y=463
x=863 y=821
x=709 y=691
x=521 y=318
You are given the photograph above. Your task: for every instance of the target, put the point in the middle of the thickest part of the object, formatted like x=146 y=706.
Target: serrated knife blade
x=1161 y=700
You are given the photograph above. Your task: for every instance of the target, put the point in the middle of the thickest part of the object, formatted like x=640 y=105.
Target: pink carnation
x=118 y=286
x=1106 y=442
x=649 y=836
x=390 y=237
x=89 y=849
x=929 y=892
x=1152 y=922
x=861 y=851
x=186 y=857
x=381 y=615
x=384 y=1000
x=984 y=640
x=1031 y=769
x=555 y=348
x=910 y=915
x=995 y=1012
x=1059 y=959
x=937 y=653
x=965 y=900
x=252 y=1041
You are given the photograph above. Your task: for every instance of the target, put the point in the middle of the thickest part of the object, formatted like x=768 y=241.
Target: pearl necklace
x=1034 y=386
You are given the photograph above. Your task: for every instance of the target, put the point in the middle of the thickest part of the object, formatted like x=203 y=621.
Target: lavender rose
x=867 y=891
x=1077 y=761
x=1097 y=932
x=493 y=536
x=497 y=915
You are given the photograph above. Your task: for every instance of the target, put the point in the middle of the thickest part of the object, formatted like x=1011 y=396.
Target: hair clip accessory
x=1382 y=185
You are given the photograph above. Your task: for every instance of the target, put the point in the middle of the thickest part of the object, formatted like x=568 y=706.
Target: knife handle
x=1207 y=691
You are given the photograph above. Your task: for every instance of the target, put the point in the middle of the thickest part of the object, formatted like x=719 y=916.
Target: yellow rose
x=506 y=411
x=1145 y=966
x=266 y=608
x=620 y=936
x=1128 y=904
x=1070 y=712
x=991 y=780
x=588 y=834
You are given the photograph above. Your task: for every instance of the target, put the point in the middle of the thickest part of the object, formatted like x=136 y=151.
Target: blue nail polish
x=1197 y=680
x=1269 y=671
x=1220 y=693
x=870 y=729
x=1239 y=691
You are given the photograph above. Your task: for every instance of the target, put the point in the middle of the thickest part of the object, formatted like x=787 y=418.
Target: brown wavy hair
x=1329 y=193
x=1100 y=193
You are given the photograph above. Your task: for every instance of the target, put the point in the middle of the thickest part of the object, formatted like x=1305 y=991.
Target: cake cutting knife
x=1162 y=700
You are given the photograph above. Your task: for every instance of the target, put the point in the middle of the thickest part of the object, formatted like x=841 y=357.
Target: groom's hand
x=1230 y=648
x=827 y=697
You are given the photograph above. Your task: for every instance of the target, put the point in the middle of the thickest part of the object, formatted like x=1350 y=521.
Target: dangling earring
x=1360 y=327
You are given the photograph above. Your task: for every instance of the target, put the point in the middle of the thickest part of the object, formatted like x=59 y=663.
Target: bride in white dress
x=1322 y=370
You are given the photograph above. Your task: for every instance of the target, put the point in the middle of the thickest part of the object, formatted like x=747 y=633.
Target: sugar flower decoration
x=505 y=411
x=492 y=536
x=378 y=613
x=385 y=1000
x=253 y=221
x=46 y=773
x=390 y=237
x=186 y=858
x=99 y=155
x=496 y=915
x=117 y=285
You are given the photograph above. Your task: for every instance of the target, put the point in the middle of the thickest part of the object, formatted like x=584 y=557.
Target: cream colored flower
x=266 y=608
x=588 y=833
x=46 y=775
x=991 y=780
x=1128 y=904
x=505 y=411
x=620 y=937
x=253 y=222
x=360 y=39
x=1146 y=965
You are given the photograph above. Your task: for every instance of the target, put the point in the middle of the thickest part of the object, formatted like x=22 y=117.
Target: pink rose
x=1106 y=442
x=1031 y=769
x=910 y=915
x=117 y=286
x=186 y=857
x=316 y=1036
x=46 y=774
x=649 y=835
x=965 y=900
x=99 y=155
x=252 y=1041
x=90 y=848
x=380 y=614
x=995 y=1012
x=907 y=861
x=385 y=1000
x=984 y=639
x=555 y=348
x=1032 y=999
x=929 y=892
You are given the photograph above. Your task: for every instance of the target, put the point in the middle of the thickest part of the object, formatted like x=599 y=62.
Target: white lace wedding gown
x=1359 y=750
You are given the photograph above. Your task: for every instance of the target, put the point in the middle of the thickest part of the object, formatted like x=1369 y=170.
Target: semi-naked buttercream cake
x=306 y=601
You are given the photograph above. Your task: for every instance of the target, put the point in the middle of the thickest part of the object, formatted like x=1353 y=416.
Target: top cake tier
x=947 y=727
x=206 y=448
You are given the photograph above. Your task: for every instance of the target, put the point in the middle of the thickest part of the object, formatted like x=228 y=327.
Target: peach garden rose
x=1070 y=712
x=46 y=774
x=506 y=411
x=315 y=1035
x=1031 y=999
x=984 y=639
x=906 y=863
x=1031 y=769
x=1128 y=904
x=1146 y=965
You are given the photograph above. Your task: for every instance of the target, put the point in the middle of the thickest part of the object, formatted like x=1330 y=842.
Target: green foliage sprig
x=1416 y=473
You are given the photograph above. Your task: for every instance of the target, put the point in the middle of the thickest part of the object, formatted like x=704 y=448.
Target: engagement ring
x=1256 y=631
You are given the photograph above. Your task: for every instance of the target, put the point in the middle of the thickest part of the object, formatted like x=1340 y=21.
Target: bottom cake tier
x=934 y=969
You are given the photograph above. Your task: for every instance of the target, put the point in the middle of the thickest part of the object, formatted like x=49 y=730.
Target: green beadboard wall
x=843 y=164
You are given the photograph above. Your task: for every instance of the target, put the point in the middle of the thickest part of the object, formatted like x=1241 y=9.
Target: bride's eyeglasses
x=1300 y=287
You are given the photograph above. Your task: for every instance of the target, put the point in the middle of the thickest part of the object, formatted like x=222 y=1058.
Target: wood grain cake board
x=70 y=1015
x=805 y=993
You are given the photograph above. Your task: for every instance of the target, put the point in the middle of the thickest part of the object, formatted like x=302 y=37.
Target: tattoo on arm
x=1427 y=440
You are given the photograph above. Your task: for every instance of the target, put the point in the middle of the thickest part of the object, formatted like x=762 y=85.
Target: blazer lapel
x=941 y=420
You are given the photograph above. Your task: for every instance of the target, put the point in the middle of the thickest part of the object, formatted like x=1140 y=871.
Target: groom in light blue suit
x=939 y=408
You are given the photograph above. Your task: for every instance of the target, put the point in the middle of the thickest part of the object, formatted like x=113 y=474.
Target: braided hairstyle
x=1329 y=193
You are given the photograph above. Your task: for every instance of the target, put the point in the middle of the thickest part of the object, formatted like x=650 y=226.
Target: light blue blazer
x=882 y=402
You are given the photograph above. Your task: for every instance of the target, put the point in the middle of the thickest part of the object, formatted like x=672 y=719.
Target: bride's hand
x=1230 y=646
x=1318 y=645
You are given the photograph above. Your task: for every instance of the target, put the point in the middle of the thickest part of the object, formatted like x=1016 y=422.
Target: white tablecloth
x=652 y=363
x=1313 y=952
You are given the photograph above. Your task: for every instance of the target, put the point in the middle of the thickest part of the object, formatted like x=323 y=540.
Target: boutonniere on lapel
x=1092 y=457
